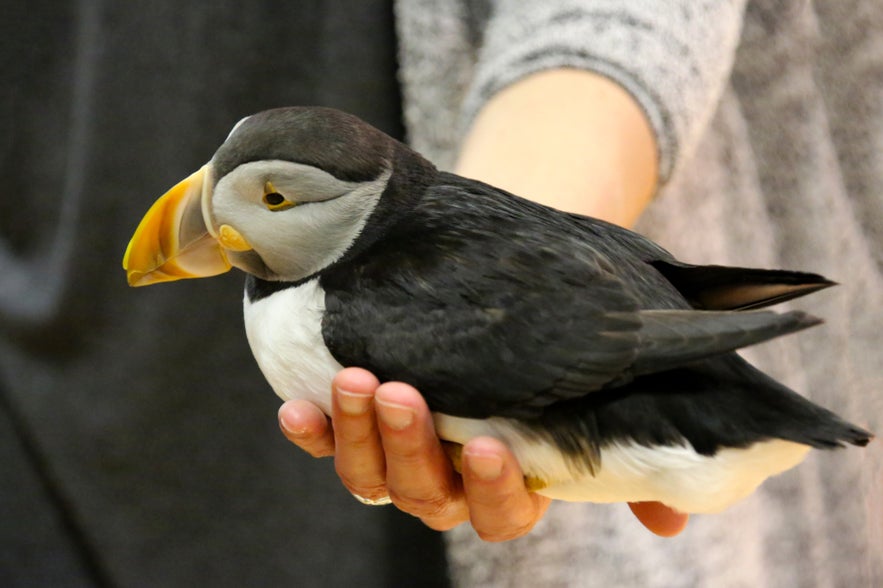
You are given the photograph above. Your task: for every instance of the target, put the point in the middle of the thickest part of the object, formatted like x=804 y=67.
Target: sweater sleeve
x=674 y=57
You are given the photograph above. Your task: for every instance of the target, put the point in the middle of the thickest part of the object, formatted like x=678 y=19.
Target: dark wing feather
x=715 y=287
x=703 y=287
x=484 y=305
x=673 y=338
x=480 y=331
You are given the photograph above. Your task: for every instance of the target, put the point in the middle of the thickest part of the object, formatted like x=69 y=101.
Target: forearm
x=567 y=138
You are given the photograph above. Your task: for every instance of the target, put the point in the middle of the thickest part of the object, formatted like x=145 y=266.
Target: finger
x=305 y=425
x=358 y=457
x=419 y=475
x=500 y=507
x=660 y=519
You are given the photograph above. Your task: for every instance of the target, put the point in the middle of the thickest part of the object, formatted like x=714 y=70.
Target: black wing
x=491 y=305
x=481 y=327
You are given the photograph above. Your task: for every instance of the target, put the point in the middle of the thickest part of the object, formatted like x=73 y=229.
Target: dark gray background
x=138 y=441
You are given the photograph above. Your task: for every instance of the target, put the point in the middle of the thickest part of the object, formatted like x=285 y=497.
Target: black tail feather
x=714 y=287
x=714 y=404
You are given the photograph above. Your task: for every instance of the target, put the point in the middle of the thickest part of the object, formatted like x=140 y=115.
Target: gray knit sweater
x=769 y=117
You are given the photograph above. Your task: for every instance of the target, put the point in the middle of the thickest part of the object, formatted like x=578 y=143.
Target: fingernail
x=487 y=467
x=293 y=429
x=352 y=403
x=395 y=416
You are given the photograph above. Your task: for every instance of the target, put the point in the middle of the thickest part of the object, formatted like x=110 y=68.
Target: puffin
x=607 y=366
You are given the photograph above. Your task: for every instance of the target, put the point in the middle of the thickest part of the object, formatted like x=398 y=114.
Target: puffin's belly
x=284 y=331
x=676 y=475
x=680 y=477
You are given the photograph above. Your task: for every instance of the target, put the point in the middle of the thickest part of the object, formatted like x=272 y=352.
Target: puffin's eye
x=274 y=200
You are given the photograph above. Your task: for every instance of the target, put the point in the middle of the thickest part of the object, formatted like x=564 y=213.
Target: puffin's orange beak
x=173 y=241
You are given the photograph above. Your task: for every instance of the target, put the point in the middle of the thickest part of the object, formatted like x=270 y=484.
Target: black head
x=334 y=141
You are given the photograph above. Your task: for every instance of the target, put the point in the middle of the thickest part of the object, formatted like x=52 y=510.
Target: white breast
x=285 y=334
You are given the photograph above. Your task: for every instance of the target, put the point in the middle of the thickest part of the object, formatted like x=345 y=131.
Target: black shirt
x=138 y=440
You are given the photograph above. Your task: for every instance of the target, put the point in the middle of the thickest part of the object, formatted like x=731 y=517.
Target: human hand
x=384 y=445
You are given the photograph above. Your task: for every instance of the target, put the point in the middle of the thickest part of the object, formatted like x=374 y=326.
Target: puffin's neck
x=411 y=177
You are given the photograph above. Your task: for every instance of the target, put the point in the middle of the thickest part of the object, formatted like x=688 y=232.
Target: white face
x=297 y=218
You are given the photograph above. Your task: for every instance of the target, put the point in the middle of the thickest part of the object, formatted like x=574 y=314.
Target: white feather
x=236 y=127
x=675 y=475
x=285 y=334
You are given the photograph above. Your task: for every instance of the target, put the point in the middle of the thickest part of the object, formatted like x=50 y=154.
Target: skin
x=537 y=139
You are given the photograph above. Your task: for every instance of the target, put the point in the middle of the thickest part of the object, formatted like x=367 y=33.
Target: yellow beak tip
x=136 y=278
